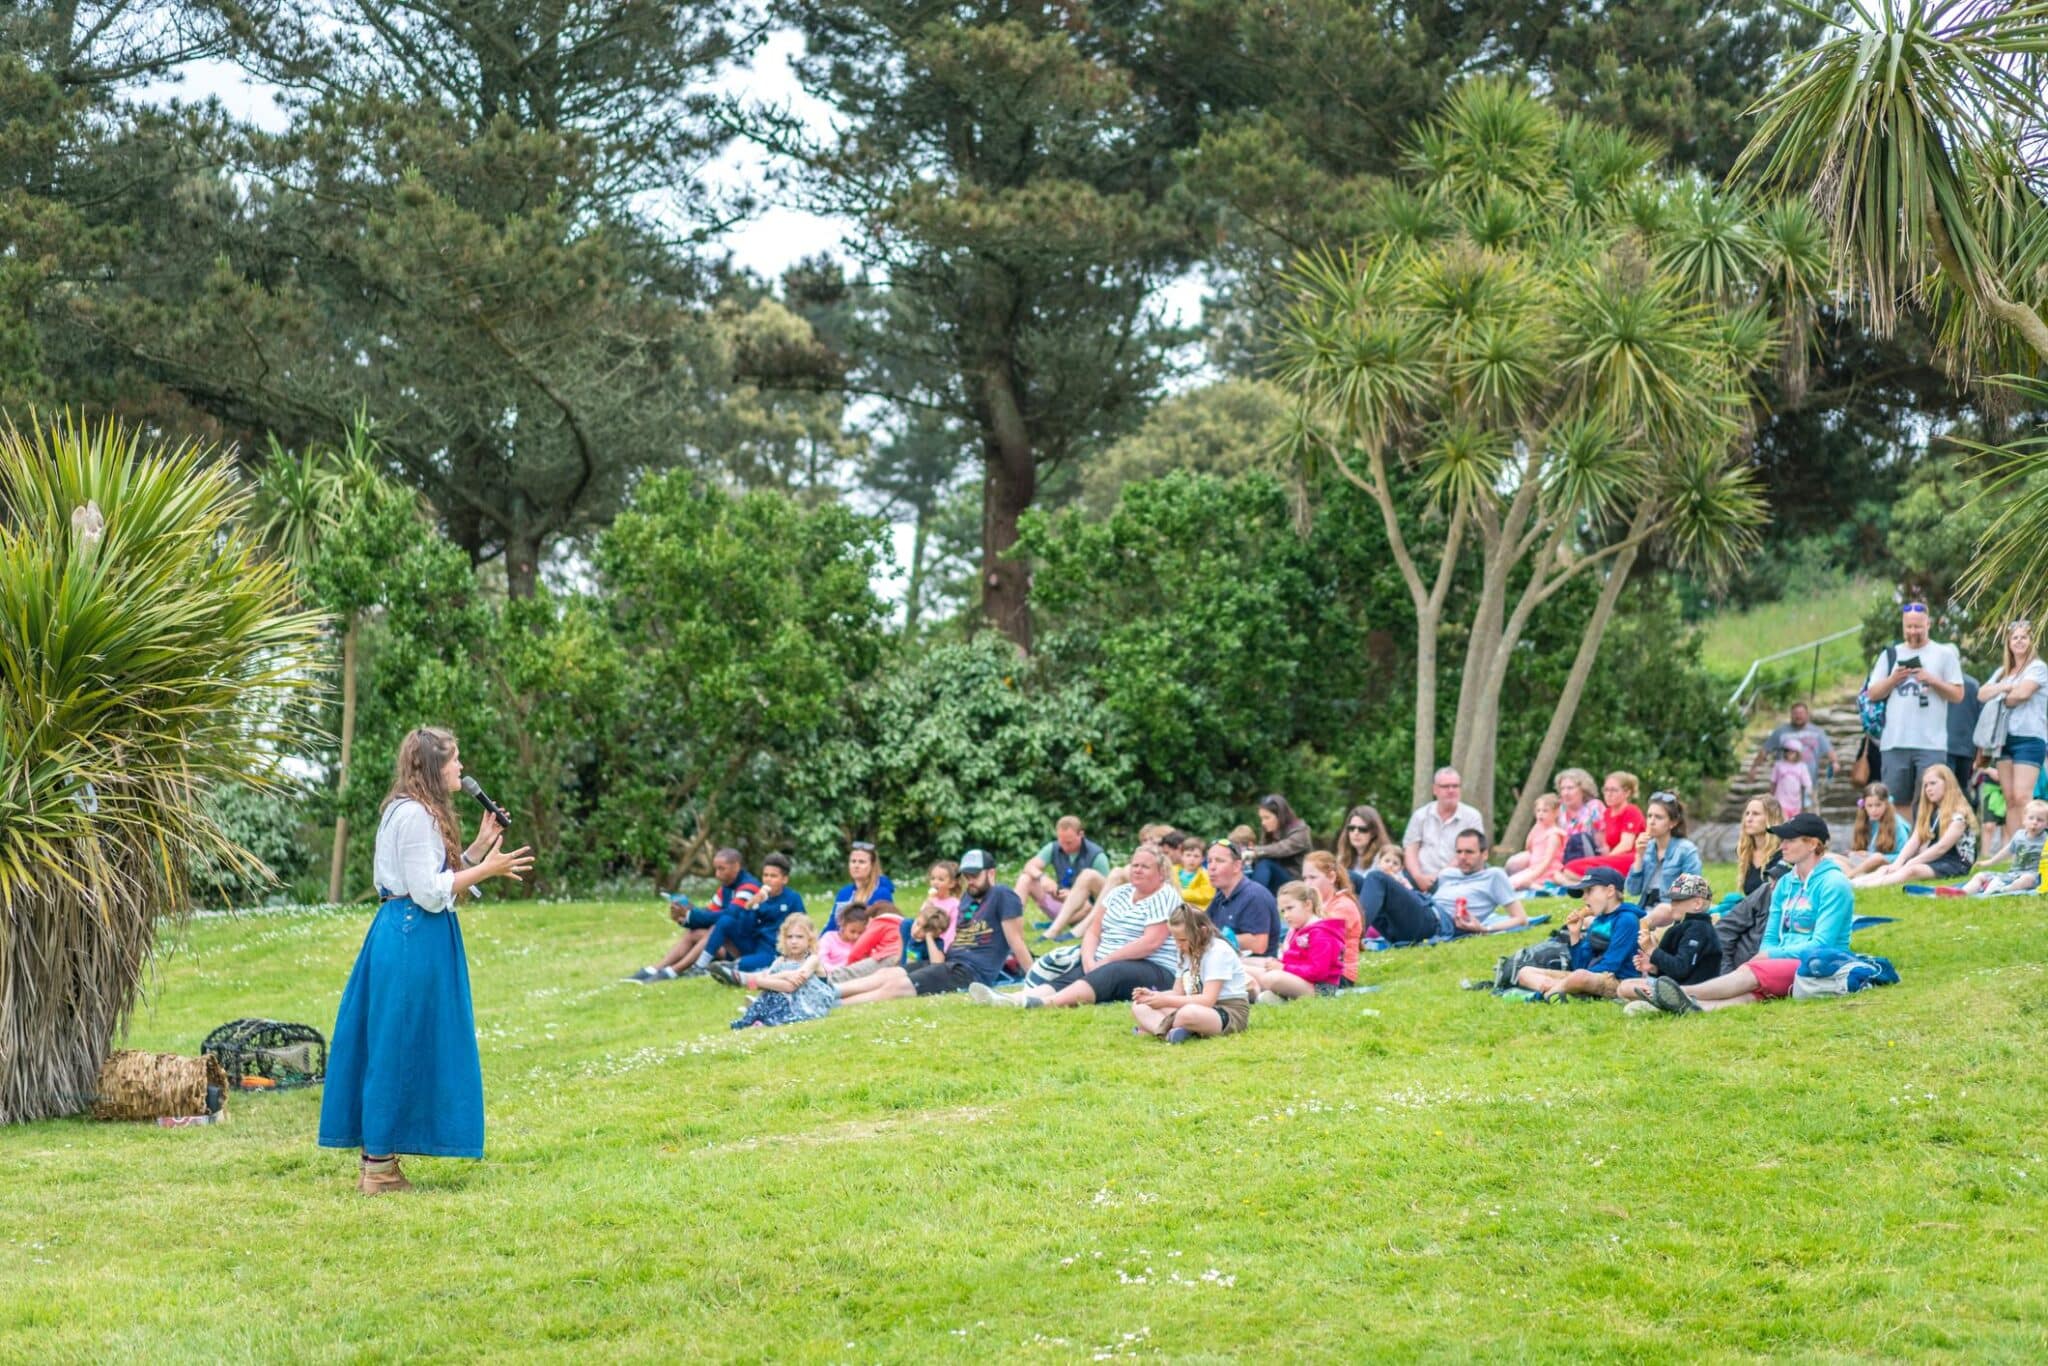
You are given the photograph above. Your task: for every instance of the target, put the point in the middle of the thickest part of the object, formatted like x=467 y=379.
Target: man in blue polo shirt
x=1243 y=910
x=738 y=890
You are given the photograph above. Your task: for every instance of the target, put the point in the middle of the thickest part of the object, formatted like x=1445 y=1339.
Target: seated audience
x=1664 y=853
x=1621 y=825
x=1678 y=941
x=1580 y=815
x=990 y=931
x=1393 y=910
x=738 y=892
x=869 y=938
x=1276 y=858
x=1312 y=964
x=1242 y=910
x=1472 y=898
x=1431 y=838
x=1542 y=856
x=870 y=884
x=1333 y=890
x=2024 y=849
x=1125 y=946
x=1602 y=935
x=1085 y=898
x=940 y=912
x=1944 y=840
x=1359 y=842
x=934 y=926
x=1189 y=873
x=1811 y=909
x=791 y=988
x=1755 y=845
x=1880 y=835
x=1048 y=877
x=1210 y=995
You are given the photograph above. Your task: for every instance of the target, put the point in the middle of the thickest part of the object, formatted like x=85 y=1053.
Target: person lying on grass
x=1678 y=941
x=1811 y=910
x=1124 y=947
x=1602 y=932
x=1312 y=963
x=1211 y=995
x=991 y=930
x=2024 y=848
x=792 y=989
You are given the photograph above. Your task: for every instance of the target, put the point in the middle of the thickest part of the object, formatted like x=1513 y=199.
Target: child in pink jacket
x=1312 y=964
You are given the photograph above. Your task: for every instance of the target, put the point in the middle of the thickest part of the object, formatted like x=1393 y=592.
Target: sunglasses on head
x=1913 y=607
x=1664 y=798
x=860 y=847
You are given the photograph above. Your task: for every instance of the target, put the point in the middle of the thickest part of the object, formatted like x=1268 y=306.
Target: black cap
x=1599 y=877
x=1805 y=825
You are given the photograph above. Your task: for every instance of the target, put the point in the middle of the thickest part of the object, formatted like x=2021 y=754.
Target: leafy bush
x=264 y=824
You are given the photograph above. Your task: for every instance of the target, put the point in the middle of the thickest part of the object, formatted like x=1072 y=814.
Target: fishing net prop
x=265 y=1055
x=136 y=1085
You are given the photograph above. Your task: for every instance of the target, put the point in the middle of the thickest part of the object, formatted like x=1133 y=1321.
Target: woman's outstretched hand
x=512 y=863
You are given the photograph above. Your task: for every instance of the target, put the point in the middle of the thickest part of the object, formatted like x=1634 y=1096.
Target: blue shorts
x=2025 y=749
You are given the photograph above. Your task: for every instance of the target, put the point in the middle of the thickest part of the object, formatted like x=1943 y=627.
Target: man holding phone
x=1917 y=679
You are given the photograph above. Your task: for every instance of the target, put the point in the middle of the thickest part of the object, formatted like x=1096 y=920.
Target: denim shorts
x=2025 y=749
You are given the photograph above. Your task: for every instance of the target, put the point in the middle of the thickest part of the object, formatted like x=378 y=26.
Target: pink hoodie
x=1315 y=952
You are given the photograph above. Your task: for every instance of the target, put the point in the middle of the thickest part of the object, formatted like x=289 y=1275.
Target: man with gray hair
x=1431 y=840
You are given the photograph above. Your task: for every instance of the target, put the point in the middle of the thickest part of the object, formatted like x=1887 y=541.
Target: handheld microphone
x=483 y=799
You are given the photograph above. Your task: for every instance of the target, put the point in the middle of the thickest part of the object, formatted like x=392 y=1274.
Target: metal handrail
x=1735 y=699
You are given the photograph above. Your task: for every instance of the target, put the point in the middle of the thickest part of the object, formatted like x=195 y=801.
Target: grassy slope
x=1418 y=1171
x=1731 y=640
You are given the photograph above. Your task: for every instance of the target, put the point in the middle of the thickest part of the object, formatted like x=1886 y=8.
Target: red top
x=1315 y=952
x=1619 y=821
x=883 y=939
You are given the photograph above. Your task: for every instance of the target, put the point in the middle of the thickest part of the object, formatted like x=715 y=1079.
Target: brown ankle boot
x=382 y=1178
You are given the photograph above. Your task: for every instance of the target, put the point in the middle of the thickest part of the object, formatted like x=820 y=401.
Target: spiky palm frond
x=1647 y=358
x=1590 y=467
x=2009 y=576
x=1715 y=509
x=144 y=647
x=1493 y=140
x=1462 y=461
x=1711 y=243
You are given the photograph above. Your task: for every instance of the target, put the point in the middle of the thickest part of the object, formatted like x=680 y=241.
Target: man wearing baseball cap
x=1678 y=942
x=1811 y=910
x=991 y=931
x=1602 y=935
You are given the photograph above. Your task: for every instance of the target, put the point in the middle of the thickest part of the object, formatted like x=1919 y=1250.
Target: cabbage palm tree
x=1557 y=346
x=146 y=649
x=1916 y=126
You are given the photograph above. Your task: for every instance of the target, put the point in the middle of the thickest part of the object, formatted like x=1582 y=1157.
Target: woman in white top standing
x=402 y=1073
x=2019 y=684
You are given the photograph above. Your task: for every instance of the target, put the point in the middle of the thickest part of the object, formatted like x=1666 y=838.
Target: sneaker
x=982 y=994
x=643 y=977
x=1557 y=998
x=1641 y=1008
x=1178 y=1035
x=1671 y=998
x=1063 y=937
x=724 y=973
x=697 y=969
x=664 y=975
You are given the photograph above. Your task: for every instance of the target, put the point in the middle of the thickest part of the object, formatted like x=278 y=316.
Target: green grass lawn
x=1732 y=639
x=1416 y=1172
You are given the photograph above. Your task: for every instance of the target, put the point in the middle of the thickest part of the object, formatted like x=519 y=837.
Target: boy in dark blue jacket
x=1602 y=935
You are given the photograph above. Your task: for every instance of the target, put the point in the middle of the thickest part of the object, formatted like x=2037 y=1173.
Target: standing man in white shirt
x=1916 y=679
x=1431 y=839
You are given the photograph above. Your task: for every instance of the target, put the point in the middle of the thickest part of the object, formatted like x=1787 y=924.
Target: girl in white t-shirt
x=1209 y=995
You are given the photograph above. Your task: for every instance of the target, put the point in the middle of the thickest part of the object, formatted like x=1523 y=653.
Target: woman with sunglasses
x=870 y=884
x=1664 y=854
x=2019 y=685
x=1358 y=845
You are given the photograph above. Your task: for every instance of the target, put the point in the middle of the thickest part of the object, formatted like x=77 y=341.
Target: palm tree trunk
x=348 y=736
x=1568 y=701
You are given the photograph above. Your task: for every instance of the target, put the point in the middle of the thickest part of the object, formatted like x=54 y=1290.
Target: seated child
x=2025 y=849
x=1211 y=994
x=1312 y=964
x=791 y=989
x=1602 y=935
x=941 y=905
x=1792 y=782
x=1195 y=888
x=1678 y=940
x=868 y=938
x=1242 y=836
x=1542 y=856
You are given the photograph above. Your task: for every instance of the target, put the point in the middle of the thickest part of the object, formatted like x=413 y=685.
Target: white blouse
x=411 y=859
